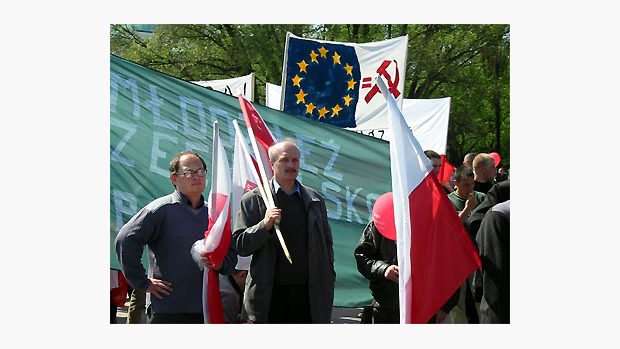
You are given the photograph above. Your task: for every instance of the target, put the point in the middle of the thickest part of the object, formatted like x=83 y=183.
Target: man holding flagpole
x=278 y=291
x=169 y=226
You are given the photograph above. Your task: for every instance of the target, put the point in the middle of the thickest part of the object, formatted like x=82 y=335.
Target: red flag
x=258 y=131
x=435 y=254
x=218 y=235
x=118 y=287
x=262 y=134
x=445 y=171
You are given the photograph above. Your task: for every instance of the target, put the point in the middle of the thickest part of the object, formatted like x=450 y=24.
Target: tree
x=469 y=63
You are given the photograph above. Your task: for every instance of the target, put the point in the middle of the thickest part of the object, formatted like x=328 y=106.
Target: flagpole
x=216 y=136
x=252 y=169
x=266 y=192
x=212 y=209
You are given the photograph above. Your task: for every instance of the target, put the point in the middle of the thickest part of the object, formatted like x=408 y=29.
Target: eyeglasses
x=190 y=173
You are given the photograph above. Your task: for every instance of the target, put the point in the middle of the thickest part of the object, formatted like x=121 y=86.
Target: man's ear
x=173 y=179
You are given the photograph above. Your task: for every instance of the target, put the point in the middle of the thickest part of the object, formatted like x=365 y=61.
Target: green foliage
x=469 y=63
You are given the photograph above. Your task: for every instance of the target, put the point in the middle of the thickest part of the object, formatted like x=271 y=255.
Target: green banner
x=153 y=116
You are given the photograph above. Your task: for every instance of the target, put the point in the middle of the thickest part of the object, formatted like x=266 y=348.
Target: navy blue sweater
x=169 y=226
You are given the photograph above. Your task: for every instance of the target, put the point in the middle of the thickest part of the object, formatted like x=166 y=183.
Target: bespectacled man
x=169 y=226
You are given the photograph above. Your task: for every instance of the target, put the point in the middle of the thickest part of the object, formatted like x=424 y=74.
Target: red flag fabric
x=214 y=314
x=258 y=131
x=262 y=134
x=445 y=171
x=118 y=287
x=435 y=254
x=218 y=234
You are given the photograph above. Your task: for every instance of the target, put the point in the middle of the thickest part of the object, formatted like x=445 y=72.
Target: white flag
x=242 y=85
x=332 y=82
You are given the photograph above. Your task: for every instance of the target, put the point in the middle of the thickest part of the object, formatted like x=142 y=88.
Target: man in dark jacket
x=277 y=291
x=376 y=260
x=500 y=192
x=494 y=246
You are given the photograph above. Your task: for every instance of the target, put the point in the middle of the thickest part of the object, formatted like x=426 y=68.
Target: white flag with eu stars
x=333 y=82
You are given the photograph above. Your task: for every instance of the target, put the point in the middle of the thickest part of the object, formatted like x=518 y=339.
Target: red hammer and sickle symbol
x=393 y=85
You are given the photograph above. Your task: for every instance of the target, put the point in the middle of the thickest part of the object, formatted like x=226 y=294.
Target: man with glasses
x=169 y=226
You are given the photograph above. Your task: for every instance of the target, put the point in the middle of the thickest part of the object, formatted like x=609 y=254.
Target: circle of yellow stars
x=301 y=95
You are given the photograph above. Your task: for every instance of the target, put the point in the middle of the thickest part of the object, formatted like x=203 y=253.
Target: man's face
x=436 y=165
x=187 y=181
x=464 y=186
x=286 y=165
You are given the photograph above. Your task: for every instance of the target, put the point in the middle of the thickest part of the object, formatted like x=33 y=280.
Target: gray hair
x=273 y=153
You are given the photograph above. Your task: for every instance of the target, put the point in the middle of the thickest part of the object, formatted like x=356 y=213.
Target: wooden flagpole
x=265 y=191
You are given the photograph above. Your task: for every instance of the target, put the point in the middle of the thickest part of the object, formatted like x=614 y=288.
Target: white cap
x=243 y=263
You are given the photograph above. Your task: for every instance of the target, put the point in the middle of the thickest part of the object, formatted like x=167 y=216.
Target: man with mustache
x=277 y=291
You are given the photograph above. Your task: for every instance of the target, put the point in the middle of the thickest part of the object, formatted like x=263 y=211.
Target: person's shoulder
x=154 y=210
x=161 y=202
x=251 y=194
x=502 y=208
x=313 y=194
x=453 y=197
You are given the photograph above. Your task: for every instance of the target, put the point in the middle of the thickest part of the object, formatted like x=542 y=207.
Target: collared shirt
x=277 y=186
x=187 y=202
x=459 y=202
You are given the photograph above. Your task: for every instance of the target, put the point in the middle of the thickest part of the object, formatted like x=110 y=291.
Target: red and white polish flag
x=218 y=235
x=435 y=253
x=245 y=178
x=263 y=136
x=245 y=174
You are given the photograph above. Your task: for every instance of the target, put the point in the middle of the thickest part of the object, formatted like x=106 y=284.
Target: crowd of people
x=258 y=283
x=481 y=198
